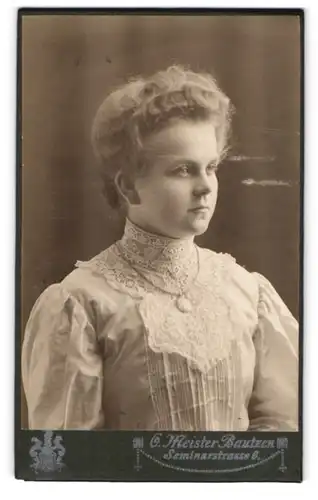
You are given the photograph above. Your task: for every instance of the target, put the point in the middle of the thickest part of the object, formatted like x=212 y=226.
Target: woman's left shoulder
x=230 y=269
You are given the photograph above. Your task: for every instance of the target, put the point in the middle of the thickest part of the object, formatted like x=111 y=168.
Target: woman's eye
x=183 y=170
x=212 y=168
x=186 y=170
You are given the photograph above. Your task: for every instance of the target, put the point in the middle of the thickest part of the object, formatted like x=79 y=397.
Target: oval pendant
x=184 y=305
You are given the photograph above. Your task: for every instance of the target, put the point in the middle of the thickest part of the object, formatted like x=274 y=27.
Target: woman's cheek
x=175 y=201
x=178 y=189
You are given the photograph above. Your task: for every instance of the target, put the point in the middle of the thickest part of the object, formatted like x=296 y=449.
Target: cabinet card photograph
x=159 y=251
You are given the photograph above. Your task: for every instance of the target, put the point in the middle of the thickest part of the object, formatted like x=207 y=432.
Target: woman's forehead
x=183 y=138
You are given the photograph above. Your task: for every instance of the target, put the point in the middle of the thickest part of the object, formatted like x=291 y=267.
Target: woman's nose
x=203 y=186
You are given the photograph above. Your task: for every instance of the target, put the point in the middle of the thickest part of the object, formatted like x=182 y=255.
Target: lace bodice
x=203 y=334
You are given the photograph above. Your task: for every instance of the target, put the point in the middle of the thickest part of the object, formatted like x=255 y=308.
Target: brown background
x=70 y=62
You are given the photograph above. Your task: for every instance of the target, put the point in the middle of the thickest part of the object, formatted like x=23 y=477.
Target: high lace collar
x=158 y=253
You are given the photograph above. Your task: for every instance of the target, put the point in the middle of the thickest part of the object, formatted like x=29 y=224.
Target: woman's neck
x=146 y=227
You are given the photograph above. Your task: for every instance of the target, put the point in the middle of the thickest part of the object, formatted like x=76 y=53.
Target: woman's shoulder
x=83 y=285
x=227 y=266
x=88 y=280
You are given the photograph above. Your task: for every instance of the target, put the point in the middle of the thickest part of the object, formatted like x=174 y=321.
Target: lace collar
x=157 y=253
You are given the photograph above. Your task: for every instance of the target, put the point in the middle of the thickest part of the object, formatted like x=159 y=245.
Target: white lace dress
x=105 y=348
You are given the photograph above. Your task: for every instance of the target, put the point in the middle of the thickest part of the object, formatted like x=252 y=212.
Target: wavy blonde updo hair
x=145 y=105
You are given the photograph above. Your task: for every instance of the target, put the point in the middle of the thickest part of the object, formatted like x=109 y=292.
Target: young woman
x=155 y=332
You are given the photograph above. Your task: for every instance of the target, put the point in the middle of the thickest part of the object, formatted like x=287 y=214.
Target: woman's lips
x=199 y=209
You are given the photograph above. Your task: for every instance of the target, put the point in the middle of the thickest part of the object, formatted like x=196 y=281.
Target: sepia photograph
x=160 y=225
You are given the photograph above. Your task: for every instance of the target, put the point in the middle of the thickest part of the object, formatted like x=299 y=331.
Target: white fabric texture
x=109 y=348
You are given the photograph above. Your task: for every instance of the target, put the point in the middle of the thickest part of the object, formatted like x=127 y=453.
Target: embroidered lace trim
x=203 y=335
x=168 y=260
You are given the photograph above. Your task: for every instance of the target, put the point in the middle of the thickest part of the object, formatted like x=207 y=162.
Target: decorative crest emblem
x=47 y=455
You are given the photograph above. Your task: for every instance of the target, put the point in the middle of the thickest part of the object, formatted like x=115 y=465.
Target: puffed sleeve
x=61 y=364
x=274 y=401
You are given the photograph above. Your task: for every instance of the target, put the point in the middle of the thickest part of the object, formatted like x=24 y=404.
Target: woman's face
x=178 y=193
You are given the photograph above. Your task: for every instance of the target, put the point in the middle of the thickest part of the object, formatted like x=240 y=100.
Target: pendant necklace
x=182 y=302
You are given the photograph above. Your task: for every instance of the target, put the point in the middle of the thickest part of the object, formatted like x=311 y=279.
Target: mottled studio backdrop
x=70 y=62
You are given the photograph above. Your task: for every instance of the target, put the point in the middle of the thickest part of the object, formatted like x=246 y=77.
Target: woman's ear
x=126 y=188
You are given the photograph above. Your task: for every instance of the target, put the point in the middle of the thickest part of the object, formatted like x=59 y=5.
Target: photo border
x=137 y=455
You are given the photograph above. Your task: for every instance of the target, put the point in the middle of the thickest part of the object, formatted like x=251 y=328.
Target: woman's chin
x=201 y=230
x=181 y=229
x=200 y=224
x=198 y=227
